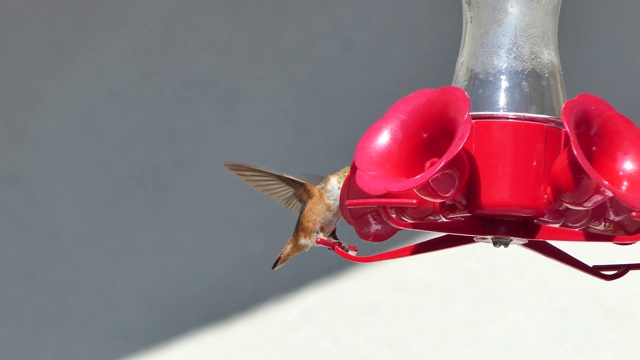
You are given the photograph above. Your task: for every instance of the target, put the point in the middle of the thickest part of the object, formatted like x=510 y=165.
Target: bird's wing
x=291 y=192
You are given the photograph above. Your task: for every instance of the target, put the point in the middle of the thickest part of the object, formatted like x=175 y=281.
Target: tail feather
x=283 y=257
x=290 y=250
x=278 y=263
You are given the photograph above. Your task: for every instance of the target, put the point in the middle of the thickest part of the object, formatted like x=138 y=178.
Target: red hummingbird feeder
x=500 y=157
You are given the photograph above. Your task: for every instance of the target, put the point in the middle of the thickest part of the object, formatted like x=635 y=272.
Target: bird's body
x=317 y=207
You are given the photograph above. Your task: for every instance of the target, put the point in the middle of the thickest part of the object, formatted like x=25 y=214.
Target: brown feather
x=291 y=249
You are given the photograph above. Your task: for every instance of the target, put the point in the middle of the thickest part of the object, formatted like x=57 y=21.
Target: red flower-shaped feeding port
x=412 y=153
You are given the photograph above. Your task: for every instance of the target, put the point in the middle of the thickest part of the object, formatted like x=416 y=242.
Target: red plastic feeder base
x=430 y=165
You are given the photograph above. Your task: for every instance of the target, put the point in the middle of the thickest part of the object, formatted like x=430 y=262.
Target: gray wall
x=120 y=227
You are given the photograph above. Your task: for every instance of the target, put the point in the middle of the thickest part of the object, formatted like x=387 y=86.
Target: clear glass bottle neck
x=509 y=60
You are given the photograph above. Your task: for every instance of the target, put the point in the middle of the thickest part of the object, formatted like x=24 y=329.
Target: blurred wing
x=291 y=192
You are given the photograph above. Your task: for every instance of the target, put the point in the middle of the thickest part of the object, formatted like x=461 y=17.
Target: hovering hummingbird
x=318 y=207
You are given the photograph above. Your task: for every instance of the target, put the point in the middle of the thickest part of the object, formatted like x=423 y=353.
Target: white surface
x=473 y=302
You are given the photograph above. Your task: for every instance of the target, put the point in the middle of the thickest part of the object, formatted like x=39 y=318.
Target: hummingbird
x=317 y=206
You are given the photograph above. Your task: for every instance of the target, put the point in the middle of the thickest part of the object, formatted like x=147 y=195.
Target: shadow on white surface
x=474 y=302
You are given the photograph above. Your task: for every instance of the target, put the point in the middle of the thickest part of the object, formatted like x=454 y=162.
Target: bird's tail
x=290 y=250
